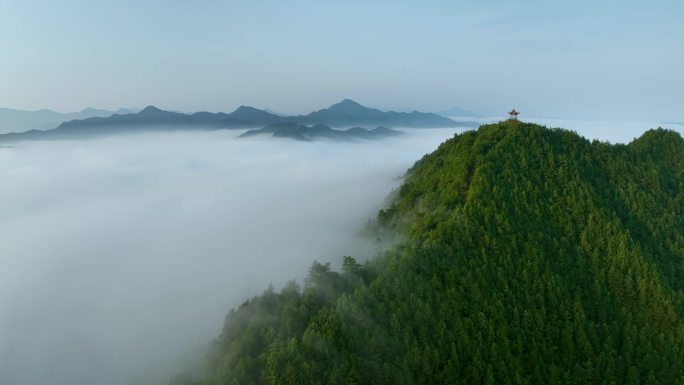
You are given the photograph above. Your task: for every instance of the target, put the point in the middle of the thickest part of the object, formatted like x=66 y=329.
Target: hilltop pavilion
x=513 y=115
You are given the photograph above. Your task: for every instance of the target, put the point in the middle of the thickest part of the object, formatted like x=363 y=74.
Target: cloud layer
x=122 y=255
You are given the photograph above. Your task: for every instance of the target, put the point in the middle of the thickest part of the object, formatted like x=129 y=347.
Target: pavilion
x=513 y=115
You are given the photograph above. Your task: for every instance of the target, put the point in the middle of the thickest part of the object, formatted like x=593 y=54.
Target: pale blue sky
x=590 y=59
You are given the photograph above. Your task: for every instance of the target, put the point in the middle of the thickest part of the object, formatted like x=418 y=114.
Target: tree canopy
x=528 y=255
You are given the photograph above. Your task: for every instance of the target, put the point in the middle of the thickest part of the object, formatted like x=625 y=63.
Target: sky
x=582 y=59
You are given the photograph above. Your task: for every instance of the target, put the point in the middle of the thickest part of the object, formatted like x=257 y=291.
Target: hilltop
x=528 y=256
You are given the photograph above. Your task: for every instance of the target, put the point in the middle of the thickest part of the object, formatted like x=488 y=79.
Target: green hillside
x=529 y=256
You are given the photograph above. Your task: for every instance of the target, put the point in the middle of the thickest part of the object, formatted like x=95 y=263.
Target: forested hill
x=529 y=256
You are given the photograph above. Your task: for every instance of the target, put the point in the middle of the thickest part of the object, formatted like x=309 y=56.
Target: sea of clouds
x=121 y=256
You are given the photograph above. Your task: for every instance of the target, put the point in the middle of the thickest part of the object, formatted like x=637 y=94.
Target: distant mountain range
x=349 y=113
x=320 y=131
x=12 y=120
x=346 y=113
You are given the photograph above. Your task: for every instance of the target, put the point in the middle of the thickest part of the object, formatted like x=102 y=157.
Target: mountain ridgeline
x=320 y=131
x=350 y=113
x=19 y=121
x=346 y=113
x=528 y=256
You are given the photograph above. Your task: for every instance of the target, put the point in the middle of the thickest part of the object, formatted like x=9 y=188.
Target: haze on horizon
x=592 y=60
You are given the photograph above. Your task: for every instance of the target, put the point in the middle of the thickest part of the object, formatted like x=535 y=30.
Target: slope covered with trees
x=528 y=256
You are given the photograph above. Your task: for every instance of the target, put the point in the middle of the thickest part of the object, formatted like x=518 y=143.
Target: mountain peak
x=124 y=110
x=350 y=113
x=246 y=109
x=150 y=110
x=252 y=114
x=346 y=103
